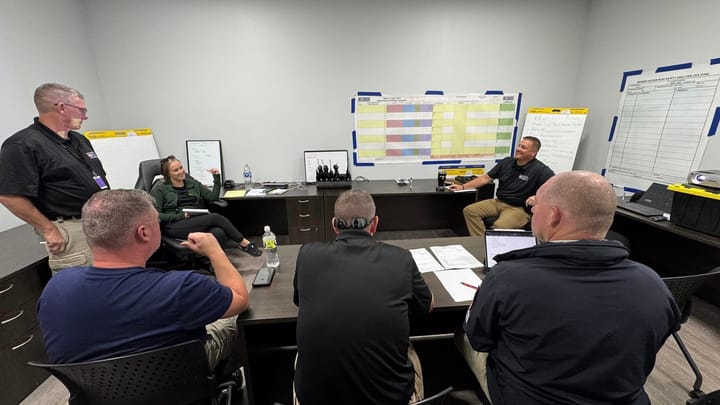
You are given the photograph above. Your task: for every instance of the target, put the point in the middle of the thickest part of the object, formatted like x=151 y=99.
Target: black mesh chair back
x=682 y=289
x=177 y=374
x=436 y=399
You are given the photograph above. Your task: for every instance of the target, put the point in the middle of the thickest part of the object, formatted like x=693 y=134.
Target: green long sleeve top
x=166 y=201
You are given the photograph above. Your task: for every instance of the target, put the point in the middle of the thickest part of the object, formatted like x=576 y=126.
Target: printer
x=705 y=178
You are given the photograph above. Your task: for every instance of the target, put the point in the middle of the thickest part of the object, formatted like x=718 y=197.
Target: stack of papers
x=452 y=267
x=234 y=194
x=256 y=192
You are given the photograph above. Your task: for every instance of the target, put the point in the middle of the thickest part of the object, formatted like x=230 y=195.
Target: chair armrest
x=219 y=203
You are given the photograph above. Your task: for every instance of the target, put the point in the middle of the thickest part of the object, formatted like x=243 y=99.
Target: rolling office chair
x=682 y=289
x=436 y=399
x=178 y=374
x=171 y=253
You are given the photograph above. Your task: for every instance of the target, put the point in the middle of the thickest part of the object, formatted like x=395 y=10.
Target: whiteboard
x=121 y=153
x=203 y=155
x=559 y=131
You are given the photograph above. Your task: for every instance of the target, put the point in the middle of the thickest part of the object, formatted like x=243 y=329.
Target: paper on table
x=425 y=261
x=256 y=192
x=234 y=193
x=278 y=191
x=455 y=257
x=453 y=281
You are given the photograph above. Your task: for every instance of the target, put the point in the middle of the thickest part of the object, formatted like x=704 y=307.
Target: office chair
x=682 y=289
x=436 y=399
x=171 y=253
x=178 y=374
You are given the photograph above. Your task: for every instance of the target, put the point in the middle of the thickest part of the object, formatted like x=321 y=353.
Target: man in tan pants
x=519 y=178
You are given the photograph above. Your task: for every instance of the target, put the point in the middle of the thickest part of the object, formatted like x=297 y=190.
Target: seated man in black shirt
x=355 y=296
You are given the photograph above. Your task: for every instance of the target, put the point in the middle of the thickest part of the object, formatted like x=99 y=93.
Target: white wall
x=640 y=34
x=274 y=78
x=43 y=41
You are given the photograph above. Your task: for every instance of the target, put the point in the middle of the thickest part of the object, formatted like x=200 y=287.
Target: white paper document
x=256 y=192
x=459 y=283
x=455 y=257
x=196 y=211
x=425 y=260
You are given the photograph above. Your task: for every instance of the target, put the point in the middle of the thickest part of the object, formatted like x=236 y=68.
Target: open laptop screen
x=499 y=241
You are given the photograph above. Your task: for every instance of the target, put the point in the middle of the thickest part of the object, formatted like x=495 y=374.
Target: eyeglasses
x=83 y=110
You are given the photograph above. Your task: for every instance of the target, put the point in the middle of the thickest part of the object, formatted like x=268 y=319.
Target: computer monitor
x=313 y=158
x=499 y=241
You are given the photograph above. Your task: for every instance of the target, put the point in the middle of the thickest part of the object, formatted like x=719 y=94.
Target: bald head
x=574 y=205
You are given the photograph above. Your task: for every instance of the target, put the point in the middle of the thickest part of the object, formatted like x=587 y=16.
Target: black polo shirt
x=55 y=174
x=517 y=183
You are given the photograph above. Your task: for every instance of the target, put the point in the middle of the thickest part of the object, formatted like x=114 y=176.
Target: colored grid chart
x=392 y=129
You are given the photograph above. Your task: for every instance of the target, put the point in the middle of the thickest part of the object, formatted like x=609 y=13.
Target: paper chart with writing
x=662 y=126
x=400 y=129
x=559 y=131
x=455 y=257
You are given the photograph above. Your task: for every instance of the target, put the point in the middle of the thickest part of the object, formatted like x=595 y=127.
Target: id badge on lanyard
x=100 y=182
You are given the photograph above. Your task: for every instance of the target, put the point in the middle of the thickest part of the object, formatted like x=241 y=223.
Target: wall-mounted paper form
x=425 y=261
x=453 y=281
x=559 y=131
x=455 y=257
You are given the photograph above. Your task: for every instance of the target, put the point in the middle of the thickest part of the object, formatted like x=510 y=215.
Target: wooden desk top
x=275 y=303
x=672 y=228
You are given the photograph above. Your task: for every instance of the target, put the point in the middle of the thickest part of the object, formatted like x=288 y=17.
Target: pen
x=468 y=285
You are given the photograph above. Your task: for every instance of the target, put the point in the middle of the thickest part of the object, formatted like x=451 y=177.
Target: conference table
x=269 y=324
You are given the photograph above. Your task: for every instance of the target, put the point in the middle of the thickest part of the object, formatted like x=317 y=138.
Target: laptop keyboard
x=640 y=209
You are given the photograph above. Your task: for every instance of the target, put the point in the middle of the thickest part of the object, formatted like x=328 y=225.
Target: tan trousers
x=76 y=253
x=475 y=361
x=419 y=390
x=220 y=340
x=509 y=216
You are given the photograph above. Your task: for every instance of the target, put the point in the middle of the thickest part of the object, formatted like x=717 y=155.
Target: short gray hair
x=109 y=217
x=587 y=197
x=354 y=204
x=49 y=94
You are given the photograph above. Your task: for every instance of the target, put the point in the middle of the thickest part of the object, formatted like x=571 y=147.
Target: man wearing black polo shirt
x=355 y=296
x=519 y=178
x=48 y=171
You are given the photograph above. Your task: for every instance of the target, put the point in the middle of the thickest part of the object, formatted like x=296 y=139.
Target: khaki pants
x=220 y=340
x=419 y=390
x=475 y=360
x=509 y=216
x=76 y=253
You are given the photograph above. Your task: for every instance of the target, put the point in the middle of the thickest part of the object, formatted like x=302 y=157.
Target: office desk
x=671 y=250
x=269 y=324
x=305 y=215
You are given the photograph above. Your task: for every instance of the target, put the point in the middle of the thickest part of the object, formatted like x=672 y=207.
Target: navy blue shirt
x=90 y=313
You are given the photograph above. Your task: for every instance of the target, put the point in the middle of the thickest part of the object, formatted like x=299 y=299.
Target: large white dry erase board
x=121 y=152
x=559 y=131
x=203 y=155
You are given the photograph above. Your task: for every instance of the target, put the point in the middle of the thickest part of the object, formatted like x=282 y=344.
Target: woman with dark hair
x=180 y=191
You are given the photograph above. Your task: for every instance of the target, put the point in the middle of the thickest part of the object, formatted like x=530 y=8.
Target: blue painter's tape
x=612 y=128
x=352 y=105
x=632 y=190
x=354 y=137
x=715 y=122
x=517 y=111
x=514 y=138
x=369 y=93
x=441 y=162
x=714 y=61
x=498 y=160
x=625 y=76
x=356 y=163
x=674 y=67
x=489 y=92
x=434 y=92
x=602 y=172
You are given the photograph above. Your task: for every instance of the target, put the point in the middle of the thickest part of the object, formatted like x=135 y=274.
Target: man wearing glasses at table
x=48 y=171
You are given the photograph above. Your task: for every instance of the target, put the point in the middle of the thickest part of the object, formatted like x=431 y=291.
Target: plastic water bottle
x=270 y=245
x=247 y=175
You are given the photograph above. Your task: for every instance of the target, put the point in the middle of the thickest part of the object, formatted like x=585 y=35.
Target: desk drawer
x=16 y=321
x=303 y=209
x=17 y=379
x=299 y=235
x=14 y=291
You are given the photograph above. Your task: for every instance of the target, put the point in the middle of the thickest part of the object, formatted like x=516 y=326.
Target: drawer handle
x=305 y=229
x=19 y=314
x=7 y=289
x=23 y=343
x=303 y=201
x=304 y=215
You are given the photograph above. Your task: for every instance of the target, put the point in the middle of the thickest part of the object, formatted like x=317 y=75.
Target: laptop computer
x=656 y=201
x=499 y=241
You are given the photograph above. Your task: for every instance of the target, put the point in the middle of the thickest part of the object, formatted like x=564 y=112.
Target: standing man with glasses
x=48 y=171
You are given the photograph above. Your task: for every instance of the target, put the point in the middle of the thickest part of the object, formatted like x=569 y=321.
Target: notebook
x=499 y=241
x=656 y=201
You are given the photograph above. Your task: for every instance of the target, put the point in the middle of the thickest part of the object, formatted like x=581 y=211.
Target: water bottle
x=247 y=175
x=270 y=244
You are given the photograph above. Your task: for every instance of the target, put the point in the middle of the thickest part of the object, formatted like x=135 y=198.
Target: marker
x=468 y=285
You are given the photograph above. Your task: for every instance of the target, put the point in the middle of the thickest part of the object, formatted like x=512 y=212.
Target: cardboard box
x=697 y=208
